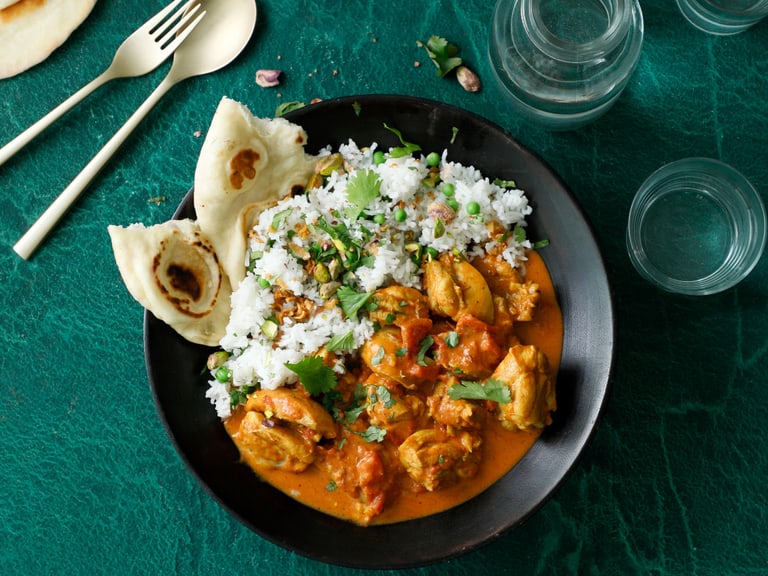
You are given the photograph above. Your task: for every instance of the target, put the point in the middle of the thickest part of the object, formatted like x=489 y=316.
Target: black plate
x=580 y=280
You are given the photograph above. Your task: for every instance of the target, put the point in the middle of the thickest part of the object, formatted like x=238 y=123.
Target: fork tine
x=154 y=23
x=172 y=21
x=177 y=22
x=184 y=28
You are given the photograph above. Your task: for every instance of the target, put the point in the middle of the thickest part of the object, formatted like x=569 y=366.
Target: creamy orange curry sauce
x=433 y=446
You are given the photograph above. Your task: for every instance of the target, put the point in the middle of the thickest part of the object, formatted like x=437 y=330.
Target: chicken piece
x=386 y=354
x=394 y=304
x=454 y=413
x=455 y=288
x=525 y=371
x=400 y=415
x=271 y=446
x=503 y=280
x=435 y=461
x=293 y=407
x=471 y=348
x=281 y=428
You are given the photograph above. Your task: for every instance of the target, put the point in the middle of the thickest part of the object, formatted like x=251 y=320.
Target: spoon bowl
x=221 y=36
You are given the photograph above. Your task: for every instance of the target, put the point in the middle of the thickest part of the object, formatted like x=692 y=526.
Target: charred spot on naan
x=183 y=273
x=242 y=167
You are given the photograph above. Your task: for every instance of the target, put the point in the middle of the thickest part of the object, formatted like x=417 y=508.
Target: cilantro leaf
x=286 y=107
x=426 y=344
x=406 y=149
x=452 y=340
x=362 y=188
x=383 y=395
x=378 y=357
x=359 y=401
x=314 y=375
x=493 y=390
x=344 y=341
x=373 y=434
x=351 y=301
x=442 y=53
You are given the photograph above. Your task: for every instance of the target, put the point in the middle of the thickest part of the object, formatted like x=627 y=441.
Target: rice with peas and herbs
x=362 y=227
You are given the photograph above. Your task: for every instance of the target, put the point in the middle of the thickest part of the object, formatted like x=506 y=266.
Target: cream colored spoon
x=218 y=39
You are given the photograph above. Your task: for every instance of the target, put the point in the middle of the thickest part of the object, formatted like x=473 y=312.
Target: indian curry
x=482 y=320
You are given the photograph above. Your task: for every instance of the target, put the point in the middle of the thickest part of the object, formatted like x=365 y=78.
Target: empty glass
x=723 y=17
x=563 y=63
x=696 y=226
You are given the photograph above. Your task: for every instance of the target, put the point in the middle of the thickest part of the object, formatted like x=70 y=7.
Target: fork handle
x=7 y=151
x=29 y=242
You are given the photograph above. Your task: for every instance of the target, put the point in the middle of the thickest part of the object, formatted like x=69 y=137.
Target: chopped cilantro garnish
x=344 y=341
x=286 y=107
x=314 y=375
x=373 y=434
x=357 y=108
x=505 y=183
x=351 y=301
x=331 y=486
x=426 y=344
x=279 y=218
x=493 y=390
x=400 y=352
x=406 y=149
x=442 y=53
x=240 y=395
x=382 y=394
x=518 y=233
x=454 y=133
x=452 y=340
x=540 y=244
x=362 y=188
x=378 y=357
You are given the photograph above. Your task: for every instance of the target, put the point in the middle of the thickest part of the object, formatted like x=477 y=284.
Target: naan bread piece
x=30 y=30
x=172 y=270
x=245 y=163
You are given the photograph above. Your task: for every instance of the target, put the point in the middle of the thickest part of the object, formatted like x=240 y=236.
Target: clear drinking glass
x=696 y=226
x=723 y=17
x=563 y=63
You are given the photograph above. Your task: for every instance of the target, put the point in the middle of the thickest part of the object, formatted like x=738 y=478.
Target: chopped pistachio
x=217 y=359
x=268 y=78
x=328 y=290
x=322 y=273
x=328 y=164
x=468 y=79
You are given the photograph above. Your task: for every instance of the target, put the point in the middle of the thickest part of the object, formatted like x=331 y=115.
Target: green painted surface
x=674 y=480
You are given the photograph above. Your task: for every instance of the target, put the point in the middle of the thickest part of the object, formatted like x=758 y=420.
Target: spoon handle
x=12 y=147
x=29 y=242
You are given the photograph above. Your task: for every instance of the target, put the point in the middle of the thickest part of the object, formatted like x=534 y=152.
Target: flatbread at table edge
x=30 y=30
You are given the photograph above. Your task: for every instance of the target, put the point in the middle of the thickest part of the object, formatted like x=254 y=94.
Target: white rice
x=257 y=360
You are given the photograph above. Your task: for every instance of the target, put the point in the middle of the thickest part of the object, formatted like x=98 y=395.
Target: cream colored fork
x=140 y=53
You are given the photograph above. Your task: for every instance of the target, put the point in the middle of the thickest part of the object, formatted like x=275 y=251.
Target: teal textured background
x=674 y=481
